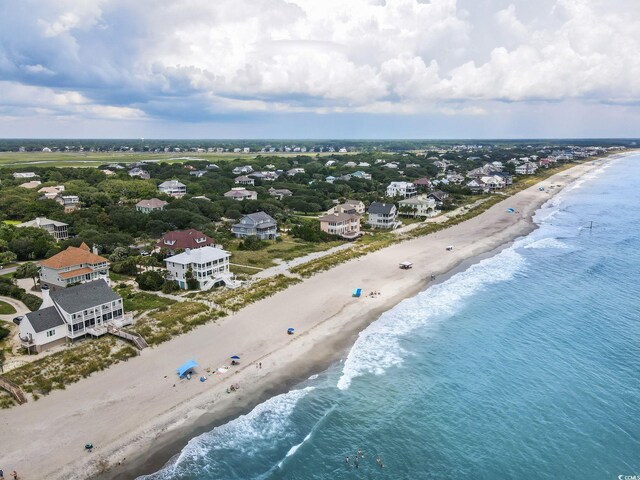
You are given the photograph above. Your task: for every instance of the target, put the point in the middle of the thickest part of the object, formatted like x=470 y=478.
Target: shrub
x=170 y=287
x=252 y=243
x=151 y=280
x=31 y=301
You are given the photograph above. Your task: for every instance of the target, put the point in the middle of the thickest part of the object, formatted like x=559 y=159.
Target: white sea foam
x=245 y=434
x=378 y=346
x=549 y=242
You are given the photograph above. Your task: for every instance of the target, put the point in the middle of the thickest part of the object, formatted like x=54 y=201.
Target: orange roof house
x=73 y=265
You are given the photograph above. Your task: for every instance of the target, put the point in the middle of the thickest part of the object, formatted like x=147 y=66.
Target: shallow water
x=526 y=365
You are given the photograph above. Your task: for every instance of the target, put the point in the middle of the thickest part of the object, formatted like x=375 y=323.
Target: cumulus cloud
x=200 y=59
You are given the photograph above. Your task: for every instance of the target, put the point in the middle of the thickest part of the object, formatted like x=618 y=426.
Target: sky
x=319 y=68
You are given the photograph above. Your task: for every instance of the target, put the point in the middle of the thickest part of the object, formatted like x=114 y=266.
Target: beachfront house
x=183 y=239
x=57 y=230
x=527 y=168
x=439 y=196
x=73 y=265
x=401 y=189
x=208 y=265
x=140 y=173
x=70 y=313
x=240 y=194
x=383 y=215
x=345 y=225
x=151 y=205
x=421 y=206
x=173 y=188
x=257 y=224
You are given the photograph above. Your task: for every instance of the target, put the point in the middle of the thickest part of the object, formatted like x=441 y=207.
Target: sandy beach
x=138 y=414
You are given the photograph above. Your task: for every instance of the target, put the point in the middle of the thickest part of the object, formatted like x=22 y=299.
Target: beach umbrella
x=236 y=357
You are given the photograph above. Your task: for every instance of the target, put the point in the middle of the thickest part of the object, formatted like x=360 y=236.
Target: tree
x=151 y=280
x=192 y=283
x=28 y=270
x=119 y=254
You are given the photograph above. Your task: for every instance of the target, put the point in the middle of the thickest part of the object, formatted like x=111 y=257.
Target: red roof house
x=183 y=239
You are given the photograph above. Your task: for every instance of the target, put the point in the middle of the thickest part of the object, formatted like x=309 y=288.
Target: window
x=51 y=333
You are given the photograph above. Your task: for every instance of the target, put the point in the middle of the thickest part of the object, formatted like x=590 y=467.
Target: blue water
x=525 y=366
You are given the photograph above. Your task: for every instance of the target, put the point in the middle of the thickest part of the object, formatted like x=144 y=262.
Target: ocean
x=525 y=365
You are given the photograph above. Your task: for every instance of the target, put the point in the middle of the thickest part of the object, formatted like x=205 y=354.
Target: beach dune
x=136 y=417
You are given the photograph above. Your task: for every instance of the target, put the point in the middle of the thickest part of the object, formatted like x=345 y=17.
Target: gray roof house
x=257 y=224
x=383 y=215
x=72 y=312
x=57 y=230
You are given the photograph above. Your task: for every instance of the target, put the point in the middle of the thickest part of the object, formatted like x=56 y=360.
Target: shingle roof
x=183 y=239
x=45 y=319
x=381 y=208
x=41 y=221
x=339 y=217
x=152 y=203
x=72 y=256
x=83 y=296
x=261 y=217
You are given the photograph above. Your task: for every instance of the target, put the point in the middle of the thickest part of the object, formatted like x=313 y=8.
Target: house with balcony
x=280 y=193
x=73 y=265
x=383 y=215
x=57 y=230
x=70 y=313
x=140 y=173
x=244 y=180
x=71 y=203
x=208 y=265
x=173 y=188
x=49 y=193
x=345 y=225
x=257 y=224
x=421 y=206
x=151 y=205
x=401 y=189
x=183 y=239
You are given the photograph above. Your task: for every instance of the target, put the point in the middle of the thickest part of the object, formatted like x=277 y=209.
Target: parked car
x=17 y=320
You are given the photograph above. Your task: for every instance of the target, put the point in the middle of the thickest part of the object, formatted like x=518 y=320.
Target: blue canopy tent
x=357 y=292
x=186 y=368
x=290 y=330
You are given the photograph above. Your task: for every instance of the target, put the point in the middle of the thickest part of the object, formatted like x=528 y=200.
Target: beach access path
x=140 y=409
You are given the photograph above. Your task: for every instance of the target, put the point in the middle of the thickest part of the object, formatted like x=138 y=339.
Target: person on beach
x=260 y=364
x=356 y=463
x=14 y=474
x=346 y=460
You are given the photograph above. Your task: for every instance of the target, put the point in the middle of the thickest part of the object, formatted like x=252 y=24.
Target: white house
x=24 y=175
x=173 y=188
x=73 y=265
x=208 y=265
x=70 y=313
x=57 y=230
x=528 y=168
x=151 y=205
x=401 y=189
x=383 y=215
x=421 y=206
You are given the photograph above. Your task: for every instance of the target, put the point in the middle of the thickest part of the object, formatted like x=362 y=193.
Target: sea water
x=524 y=366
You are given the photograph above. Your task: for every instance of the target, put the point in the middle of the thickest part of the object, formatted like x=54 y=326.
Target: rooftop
x=83 y=296
x=72 y=256
x=45 y=319
x=199 y=255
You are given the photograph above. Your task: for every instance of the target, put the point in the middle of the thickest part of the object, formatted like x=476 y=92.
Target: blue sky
x=319 y=69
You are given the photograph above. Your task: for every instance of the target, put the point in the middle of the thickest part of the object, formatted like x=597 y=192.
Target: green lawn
x=6 y=309
x=12 y=222
x=143 y=301
x=286 y=250
x=117 y=277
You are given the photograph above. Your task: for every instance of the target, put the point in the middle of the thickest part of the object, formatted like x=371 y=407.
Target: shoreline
x=328 y=324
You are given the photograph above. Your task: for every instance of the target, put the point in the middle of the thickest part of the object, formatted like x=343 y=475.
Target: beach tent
x=406 y=265
x=186 y=368
x=235 y=357
x=290 y=330
x=357 y=292
x=510 y=210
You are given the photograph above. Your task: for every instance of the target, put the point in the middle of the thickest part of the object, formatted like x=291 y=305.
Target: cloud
x=198 y=60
